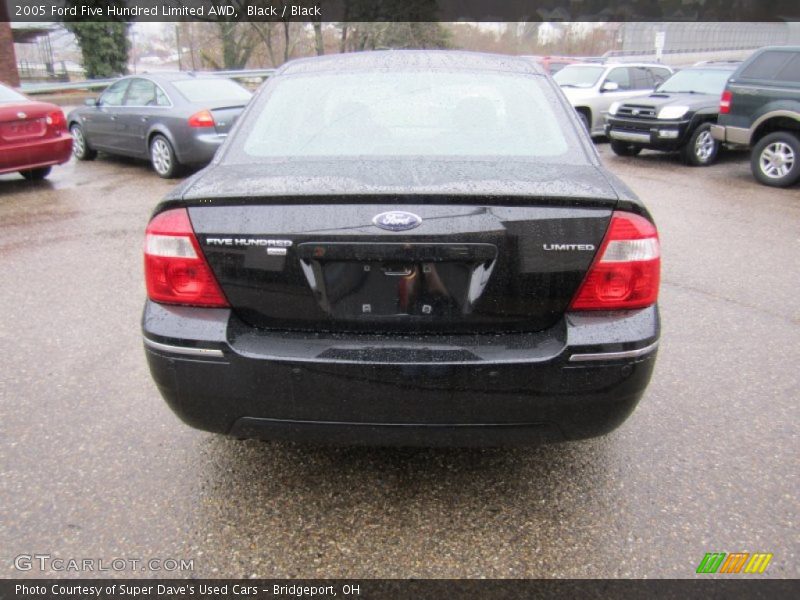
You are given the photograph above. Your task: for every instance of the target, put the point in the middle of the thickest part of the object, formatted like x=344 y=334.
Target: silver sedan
x=173 y=119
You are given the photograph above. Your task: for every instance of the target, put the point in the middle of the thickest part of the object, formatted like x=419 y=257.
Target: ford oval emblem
x=397 y=220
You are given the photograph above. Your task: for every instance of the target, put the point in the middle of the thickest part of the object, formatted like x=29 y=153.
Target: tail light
x=725 y=102
x=626 y=270
x=203 y=118
x=56 y=121
x=175 y=269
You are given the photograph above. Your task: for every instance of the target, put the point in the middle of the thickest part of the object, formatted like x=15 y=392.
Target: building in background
x=8 y=60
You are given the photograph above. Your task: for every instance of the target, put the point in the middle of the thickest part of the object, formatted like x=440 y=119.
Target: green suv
x=760 y=108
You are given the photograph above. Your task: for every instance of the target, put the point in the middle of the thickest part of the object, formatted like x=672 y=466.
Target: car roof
x=609 y=65
x=722 y=65
x=782 y=48
x=170 y=76
x=422 y=59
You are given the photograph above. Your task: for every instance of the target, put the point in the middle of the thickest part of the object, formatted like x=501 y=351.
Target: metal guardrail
x=53 y=87
x=96 y=84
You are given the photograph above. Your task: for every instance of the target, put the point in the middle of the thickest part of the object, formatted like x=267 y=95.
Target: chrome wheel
x=776 y=160
x=78 y=142
x=704 y=146
x=161 y=156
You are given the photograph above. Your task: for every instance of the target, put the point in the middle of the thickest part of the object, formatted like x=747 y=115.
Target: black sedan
x=403 y=248
x=174 y=119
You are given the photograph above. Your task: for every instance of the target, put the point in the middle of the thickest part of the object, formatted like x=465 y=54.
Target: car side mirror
x=610 y=86
x=90 y=102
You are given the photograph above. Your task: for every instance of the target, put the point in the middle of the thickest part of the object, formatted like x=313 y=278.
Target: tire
x=36 y=174
x=80 y=147
x=624 y=148
x=701 y=149
x=775 y=160
x=163 y=159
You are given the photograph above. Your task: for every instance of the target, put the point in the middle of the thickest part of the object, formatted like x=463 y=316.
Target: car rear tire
x=775 y=160
x=624 y=148
x=36 y=174
x=163 y=159
x=80 y=147
x=701 y=149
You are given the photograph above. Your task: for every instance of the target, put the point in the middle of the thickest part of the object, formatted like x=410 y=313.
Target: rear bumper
x=581 y=378
x=42 y=153
x=200 y=148
x=739 y=136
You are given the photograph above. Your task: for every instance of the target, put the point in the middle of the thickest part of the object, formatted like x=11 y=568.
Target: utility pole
x=133 y=48
x=178 y=43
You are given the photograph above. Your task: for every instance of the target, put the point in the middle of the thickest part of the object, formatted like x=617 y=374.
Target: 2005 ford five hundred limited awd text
x=403 y=248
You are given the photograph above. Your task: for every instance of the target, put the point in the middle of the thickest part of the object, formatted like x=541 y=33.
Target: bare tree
x=266 y=32
x=319 y=42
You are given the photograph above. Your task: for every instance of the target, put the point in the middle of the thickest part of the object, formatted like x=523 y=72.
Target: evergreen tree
x=104 y=45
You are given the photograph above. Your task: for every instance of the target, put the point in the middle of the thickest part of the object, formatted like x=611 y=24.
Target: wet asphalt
x=94 y=465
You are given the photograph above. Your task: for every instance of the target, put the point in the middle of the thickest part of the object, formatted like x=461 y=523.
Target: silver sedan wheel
x=78 y=142
x=776 y=160
x=704 y=146
x=161 y=156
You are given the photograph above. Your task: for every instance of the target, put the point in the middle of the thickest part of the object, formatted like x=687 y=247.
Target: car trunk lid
x=498 y=246
x=225 y=116
x=23 y=121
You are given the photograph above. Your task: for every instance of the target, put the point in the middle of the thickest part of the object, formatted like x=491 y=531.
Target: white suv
x=593 y=87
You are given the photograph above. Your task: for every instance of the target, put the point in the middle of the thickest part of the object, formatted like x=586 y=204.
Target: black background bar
x=705 y=587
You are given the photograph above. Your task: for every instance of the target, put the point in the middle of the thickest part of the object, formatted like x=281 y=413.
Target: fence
x=639 y=38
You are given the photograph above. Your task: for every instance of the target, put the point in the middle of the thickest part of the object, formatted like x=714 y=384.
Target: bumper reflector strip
x=613 y=355
x=188 y=350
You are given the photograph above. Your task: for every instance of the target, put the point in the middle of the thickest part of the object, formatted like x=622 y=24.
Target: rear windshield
x=211 y=90
x=406 y=113
x=699 y=81
x=774 y=65
x=578 y=76
x=9 y=95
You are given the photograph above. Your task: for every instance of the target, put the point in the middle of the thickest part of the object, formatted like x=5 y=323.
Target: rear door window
x=791 y=70
x=141 y=93
x=161 y=97
x=768 y=65
x=642 y=79
x=620 y=76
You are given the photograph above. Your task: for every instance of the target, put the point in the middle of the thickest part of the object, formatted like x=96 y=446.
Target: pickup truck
x=760 y=109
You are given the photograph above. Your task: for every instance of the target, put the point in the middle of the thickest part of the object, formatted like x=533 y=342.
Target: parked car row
x=754 y=104
x=175 y=120
x=178 y=120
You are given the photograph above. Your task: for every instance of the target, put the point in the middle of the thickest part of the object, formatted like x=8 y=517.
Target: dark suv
x=760 y=108
x=676 y=117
